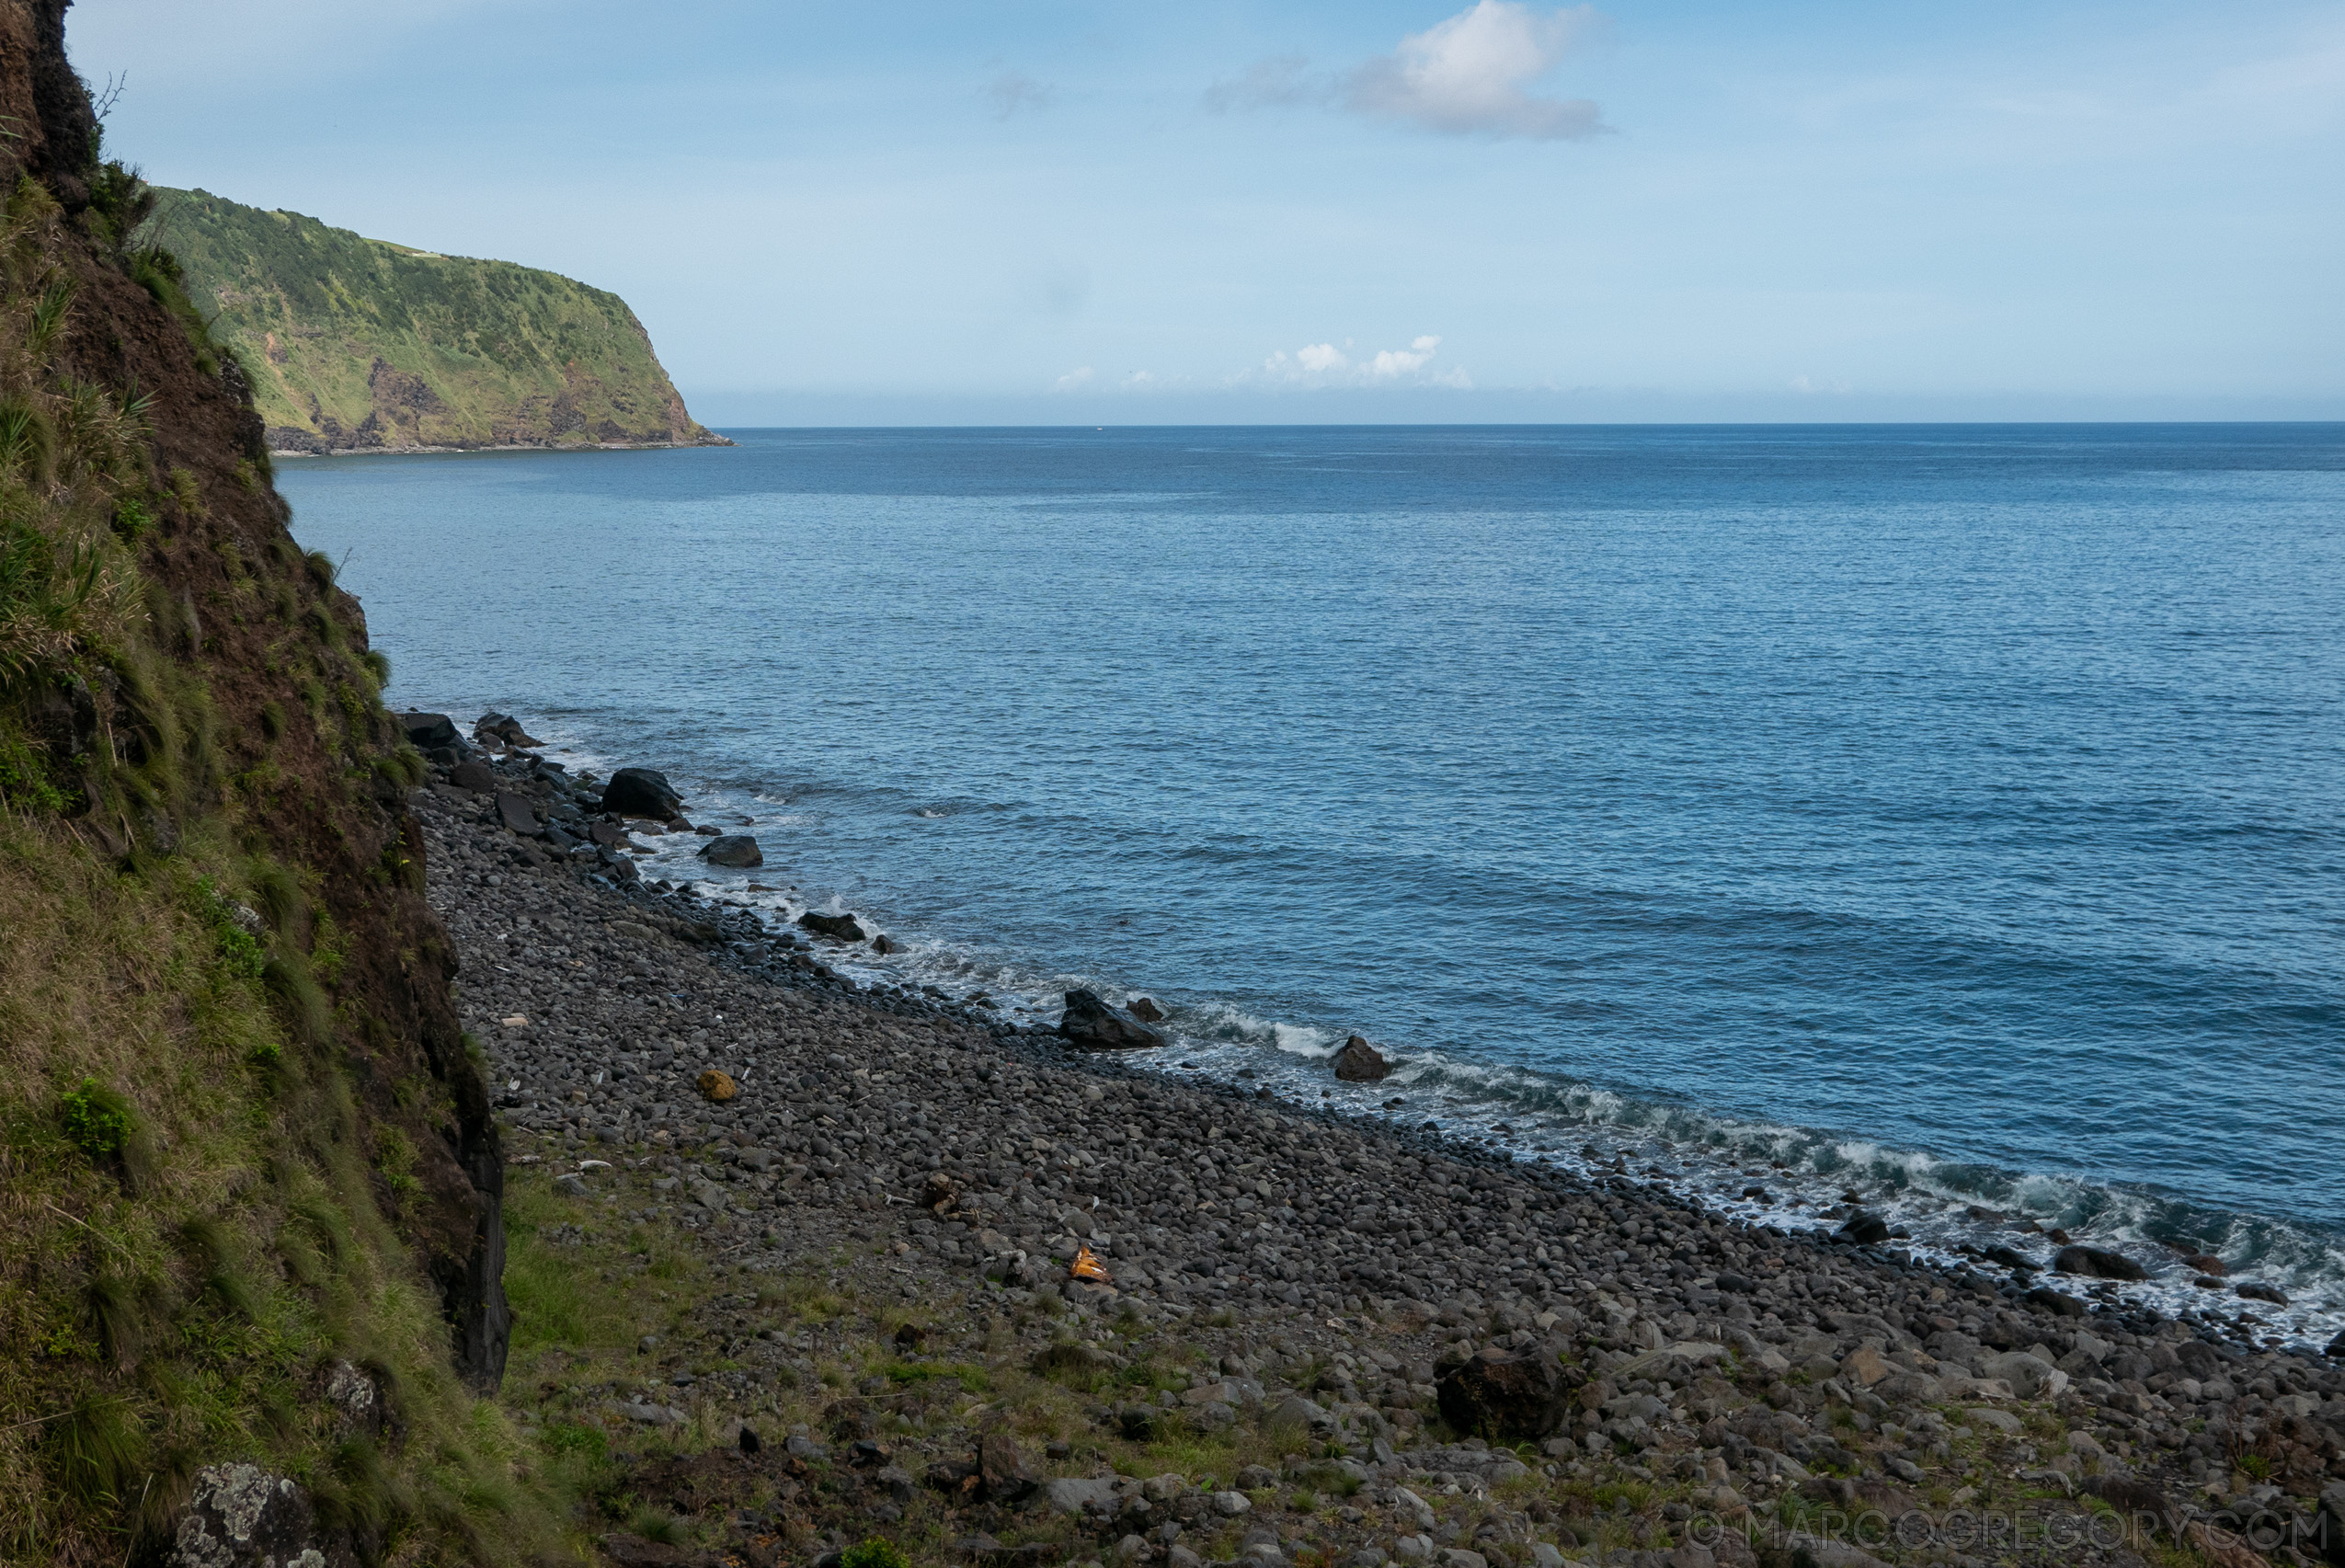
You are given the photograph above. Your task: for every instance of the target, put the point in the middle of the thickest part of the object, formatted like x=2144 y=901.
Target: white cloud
x=1391 y=363
x=1808 y=385
x=1015 y=92
x=1078 y=376
x=1467 y=76
x=1324 y=364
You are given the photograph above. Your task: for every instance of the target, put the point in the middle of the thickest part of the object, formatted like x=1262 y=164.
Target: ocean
x=1950 y=814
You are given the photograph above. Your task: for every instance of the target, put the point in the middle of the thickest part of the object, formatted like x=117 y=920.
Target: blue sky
x=1055 y=213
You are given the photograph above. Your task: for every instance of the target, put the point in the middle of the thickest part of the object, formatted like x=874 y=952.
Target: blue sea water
x=1953 y=813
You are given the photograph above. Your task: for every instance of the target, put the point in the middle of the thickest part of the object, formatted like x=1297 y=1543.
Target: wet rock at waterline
x=641 y=792
x=1091 y=1025
x=495 y=729
x=2098 y=1264
x=839 y=928
x=1865 y=1229
x=1359 y=1062
x=737 y=850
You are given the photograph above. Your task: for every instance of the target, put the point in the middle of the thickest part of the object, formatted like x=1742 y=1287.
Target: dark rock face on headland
x=1350 y=1306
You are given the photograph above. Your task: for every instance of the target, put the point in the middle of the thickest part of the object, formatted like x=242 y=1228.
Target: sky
x=1383 y=210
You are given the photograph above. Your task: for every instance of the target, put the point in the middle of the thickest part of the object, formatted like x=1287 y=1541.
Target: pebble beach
x=1425 y=1351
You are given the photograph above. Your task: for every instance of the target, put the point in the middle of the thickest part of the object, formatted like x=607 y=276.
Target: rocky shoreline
x=1423 y=1351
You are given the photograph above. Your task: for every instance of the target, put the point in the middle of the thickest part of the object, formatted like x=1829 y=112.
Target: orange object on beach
x=1086 y=1266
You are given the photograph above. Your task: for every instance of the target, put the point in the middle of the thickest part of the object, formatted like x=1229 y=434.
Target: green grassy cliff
x=354 y=344
x=251 y=1213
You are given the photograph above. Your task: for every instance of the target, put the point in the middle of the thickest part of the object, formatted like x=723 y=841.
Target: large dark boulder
x=428 y=730
x=2057 y=1302
x=491 y=730
x=1091 y=1024
x=738 y=849
x=2202 y=1359
x=516 y=813
x=1863 y=1230
x=1359 y=1062
x=476 y=775
x=2096 y=1263
x=641 y=792
x=839 y=928
x=1505 y=1398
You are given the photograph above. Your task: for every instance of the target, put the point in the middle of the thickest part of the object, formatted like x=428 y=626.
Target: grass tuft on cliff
x=356 y=343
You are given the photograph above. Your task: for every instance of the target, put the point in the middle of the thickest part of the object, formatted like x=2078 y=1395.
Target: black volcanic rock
x=2098 y=1263
x=641 y=792
x=1092 y=1025
x=737 y=850
x=426 y=731
x=1359 y=1062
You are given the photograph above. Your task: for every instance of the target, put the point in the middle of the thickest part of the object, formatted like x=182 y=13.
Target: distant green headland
x=358 y=345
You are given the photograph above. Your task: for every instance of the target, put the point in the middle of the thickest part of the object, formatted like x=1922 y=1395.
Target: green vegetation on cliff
x=250 y=1188
x=359 y=344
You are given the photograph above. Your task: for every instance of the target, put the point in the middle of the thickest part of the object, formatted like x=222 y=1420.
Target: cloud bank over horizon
x=1324 y=364
x=1314 y=366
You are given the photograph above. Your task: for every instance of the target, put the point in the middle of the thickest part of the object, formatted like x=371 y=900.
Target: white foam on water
x=1302 y=1040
